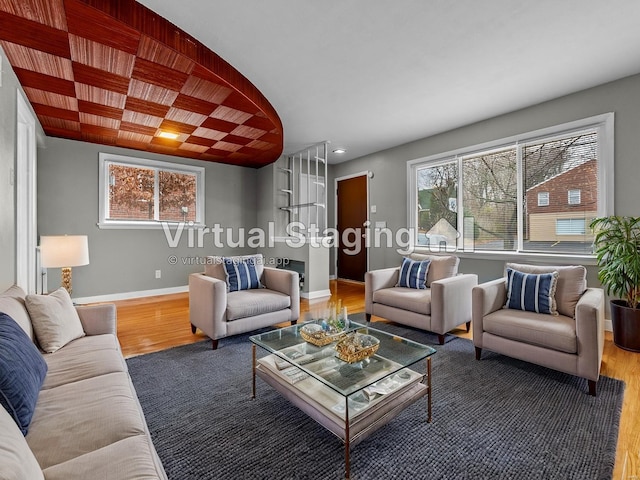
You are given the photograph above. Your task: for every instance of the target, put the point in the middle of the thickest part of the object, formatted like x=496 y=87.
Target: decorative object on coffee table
x=328 y=325
x=316 y=335
x=356 y=347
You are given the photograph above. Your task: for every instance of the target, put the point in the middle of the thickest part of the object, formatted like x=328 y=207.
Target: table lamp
x=64 y=251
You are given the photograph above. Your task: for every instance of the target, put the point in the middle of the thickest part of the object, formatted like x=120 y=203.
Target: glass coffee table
x=351 y=400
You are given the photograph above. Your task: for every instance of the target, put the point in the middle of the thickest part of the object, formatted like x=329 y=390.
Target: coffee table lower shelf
x=315 y=398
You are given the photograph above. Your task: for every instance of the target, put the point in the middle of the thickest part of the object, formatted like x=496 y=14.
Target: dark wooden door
x=352 y=215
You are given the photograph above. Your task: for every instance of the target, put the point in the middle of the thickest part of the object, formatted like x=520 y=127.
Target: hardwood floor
x=155 y=323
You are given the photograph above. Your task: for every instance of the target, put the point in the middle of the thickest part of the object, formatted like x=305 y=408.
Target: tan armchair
x=571 y=342
x=219 y=313
x=443 y=306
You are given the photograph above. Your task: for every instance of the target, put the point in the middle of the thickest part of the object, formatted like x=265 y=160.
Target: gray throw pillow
x=55 y=319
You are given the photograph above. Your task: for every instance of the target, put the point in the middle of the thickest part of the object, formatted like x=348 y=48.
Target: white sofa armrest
x=208 y=304
x=287 y=282
x=451 y=301
x=377 y=280
x=486 y=298
x=98 y=319
x=590 y=332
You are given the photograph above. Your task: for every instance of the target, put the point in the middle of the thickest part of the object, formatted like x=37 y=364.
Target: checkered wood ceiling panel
x=115 y=73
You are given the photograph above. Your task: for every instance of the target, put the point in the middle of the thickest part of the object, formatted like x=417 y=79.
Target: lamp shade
x=59 y=251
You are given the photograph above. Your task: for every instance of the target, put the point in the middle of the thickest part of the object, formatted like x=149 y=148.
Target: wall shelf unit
x=305 y=188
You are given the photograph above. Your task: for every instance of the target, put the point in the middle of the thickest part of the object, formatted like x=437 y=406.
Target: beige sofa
x=440 y=308
x=87 y=421
x=571 y=342
x=219 y=313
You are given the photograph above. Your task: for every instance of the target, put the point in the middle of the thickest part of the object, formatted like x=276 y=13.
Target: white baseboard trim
x=128 y=295
x=315 y=294
x=608 y=326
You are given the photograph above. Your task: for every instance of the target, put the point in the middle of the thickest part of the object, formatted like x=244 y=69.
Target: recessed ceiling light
x=339 y=150
x=170 y=135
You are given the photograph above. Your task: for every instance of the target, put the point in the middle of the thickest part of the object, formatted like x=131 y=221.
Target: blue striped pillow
x=531 y=292
x=413 y=273
x=241 y=274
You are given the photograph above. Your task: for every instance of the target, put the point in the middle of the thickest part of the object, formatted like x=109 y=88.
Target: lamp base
x=66 y=279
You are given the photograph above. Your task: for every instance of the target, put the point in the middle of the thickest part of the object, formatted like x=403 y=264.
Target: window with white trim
x=142 y=193
x=511 y=194
x=571 y=226
x=573 y=197
x=543 y=199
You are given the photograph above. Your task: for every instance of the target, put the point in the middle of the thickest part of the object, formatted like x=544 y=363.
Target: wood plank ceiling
x=113 y=72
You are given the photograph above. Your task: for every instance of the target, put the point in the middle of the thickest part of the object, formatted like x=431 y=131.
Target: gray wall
x=388 y=188
x=125 y=260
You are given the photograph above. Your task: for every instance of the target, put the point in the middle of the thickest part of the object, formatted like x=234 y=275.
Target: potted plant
x=617 y=250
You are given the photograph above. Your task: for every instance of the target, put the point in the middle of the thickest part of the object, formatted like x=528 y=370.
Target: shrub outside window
x=511 y=195
x=140 y=193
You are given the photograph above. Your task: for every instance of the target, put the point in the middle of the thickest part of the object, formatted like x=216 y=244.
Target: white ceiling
x=373 y=74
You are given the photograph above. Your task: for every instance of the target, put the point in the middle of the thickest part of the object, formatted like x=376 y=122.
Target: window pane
x=570 y=226
x=568 y=170
x=437 y=209
x=490 y=193
x=130 y=193
x=543 y=199
x=574 y=197
x=177 y=196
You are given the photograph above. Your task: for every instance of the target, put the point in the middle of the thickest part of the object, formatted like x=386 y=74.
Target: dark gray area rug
x=497 y=418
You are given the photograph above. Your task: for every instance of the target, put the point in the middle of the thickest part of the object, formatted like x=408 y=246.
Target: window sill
x=147 y=226
x=558 y=258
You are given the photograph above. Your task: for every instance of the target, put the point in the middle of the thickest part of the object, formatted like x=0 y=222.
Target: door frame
x=26 y=197
x=367 y=175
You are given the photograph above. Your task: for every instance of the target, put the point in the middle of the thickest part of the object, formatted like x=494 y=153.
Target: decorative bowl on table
x=316 y=335
x=357 y=347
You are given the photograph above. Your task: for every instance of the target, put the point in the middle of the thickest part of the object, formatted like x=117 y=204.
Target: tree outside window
x=145 y=192
x=437 y=205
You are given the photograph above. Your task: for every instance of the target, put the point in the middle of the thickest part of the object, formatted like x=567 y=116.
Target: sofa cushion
x=553 y=332
x=87 y=344
x=241 y=274
x=411 y=299
x=12 y=303
x=572 y=282
x=413 y=274
x=214 y=265
x=131 y=458
x=55 y=319
x=73 y=364
x=441 y=266
x=16 y=458
x=249 y=303
x=80 y=417
x=531 y=292
x=22 y=371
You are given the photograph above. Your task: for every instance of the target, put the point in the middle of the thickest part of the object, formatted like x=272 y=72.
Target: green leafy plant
x=617 y=250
